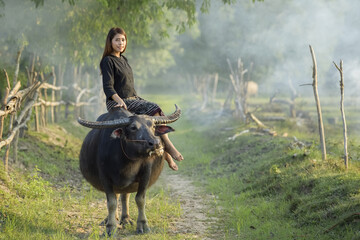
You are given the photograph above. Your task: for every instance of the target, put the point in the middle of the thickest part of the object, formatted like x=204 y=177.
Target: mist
x=275 y=36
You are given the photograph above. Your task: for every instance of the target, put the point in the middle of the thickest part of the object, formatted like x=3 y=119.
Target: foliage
x=39 y=3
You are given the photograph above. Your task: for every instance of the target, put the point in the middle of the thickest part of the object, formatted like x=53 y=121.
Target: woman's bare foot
x=171 y=163
x=171 y=149
x=175 y=154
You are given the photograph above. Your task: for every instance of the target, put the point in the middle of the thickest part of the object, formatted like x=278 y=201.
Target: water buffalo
x=123 y=154
x=252 y=88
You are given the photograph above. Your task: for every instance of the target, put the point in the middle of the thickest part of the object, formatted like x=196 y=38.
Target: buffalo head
x=138 y=134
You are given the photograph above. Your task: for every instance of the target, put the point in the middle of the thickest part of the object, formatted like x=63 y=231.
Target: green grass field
x=263 y=187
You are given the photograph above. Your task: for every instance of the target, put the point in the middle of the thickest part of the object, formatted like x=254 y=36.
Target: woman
x=118 y=84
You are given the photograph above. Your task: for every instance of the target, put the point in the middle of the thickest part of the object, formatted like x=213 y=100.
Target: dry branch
x=13 y=132
x=257 y=121
x=346 y=156
x=82 y=92
x=15 y=89
x=50 y=86
x=318 y=107
x=49 y=104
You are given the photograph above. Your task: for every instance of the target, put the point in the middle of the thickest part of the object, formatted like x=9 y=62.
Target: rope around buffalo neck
x=127 y=140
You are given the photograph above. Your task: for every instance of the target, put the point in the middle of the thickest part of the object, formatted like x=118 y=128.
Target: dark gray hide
x=124 y=159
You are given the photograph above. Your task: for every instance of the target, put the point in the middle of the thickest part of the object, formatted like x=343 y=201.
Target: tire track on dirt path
x=195 y=206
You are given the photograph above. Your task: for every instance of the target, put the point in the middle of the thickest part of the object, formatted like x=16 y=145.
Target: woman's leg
x=170 y=148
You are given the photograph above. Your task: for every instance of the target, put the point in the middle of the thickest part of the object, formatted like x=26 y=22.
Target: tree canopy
x=75 y=31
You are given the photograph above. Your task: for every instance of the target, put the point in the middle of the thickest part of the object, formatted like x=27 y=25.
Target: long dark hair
x=108 y=47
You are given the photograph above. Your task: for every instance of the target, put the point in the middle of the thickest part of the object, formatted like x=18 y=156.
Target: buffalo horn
x=167 y=119
x=105 y=124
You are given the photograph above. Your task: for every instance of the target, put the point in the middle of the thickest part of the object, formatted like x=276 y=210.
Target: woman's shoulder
x=106 y=61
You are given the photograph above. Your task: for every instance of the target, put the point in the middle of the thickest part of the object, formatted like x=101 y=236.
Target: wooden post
x=2 y=118
x=7 y=151
x=216 y=80
x=36 y=119
x=52 y=108
x=292 y=101
x=15 y=144
x=318 y=107
x=4 y=103
x=32 y=68
x=67 y=112
x=17 y=64
x=346 y=155
x=41 y=117
x=43 y=106
x=16 y=139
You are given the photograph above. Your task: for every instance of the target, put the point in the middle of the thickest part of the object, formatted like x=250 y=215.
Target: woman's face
x=118 y=43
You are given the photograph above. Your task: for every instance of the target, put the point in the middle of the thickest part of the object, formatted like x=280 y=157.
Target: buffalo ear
x=117 y=133
x=162 y=129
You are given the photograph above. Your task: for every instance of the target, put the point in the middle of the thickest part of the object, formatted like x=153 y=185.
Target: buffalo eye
x=133 y=128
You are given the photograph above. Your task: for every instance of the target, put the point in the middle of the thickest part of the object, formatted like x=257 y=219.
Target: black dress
x=118 y=78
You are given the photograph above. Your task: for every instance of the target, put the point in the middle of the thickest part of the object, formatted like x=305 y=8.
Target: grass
x=263 y=187
x=45 y=197
x=268 y=187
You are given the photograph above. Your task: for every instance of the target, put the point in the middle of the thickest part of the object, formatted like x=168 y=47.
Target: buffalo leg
x=116 y=212
x=142 y=224
x=104 y=222
x=111 y=224
x=125 y=217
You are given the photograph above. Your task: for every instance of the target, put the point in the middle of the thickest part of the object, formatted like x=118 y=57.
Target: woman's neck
x=116 y=54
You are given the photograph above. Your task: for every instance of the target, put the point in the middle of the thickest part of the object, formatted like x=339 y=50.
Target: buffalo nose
x=154 y=143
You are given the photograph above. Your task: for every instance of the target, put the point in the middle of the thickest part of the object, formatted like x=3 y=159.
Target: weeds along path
x=195 y=206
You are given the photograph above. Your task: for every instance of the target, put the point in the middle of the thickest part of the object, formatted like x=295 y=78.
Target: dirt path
x=195 y=206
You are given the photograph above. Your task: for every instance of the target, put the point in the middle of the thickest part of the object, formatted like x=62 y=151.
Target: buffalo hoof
x=111 y=230
x=126 y=221
x=142 y=227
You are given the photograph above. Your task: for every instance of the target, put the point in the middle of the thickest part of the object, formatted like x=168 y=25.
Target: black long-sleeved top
x=117 y=77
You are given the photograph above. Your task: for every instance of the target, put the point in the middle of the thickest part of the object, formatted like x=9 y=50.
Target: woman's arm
x=107 y=72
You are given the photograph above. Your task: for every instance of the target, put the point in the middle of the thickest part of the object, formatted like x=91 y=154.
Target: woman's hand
x=120 y=102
